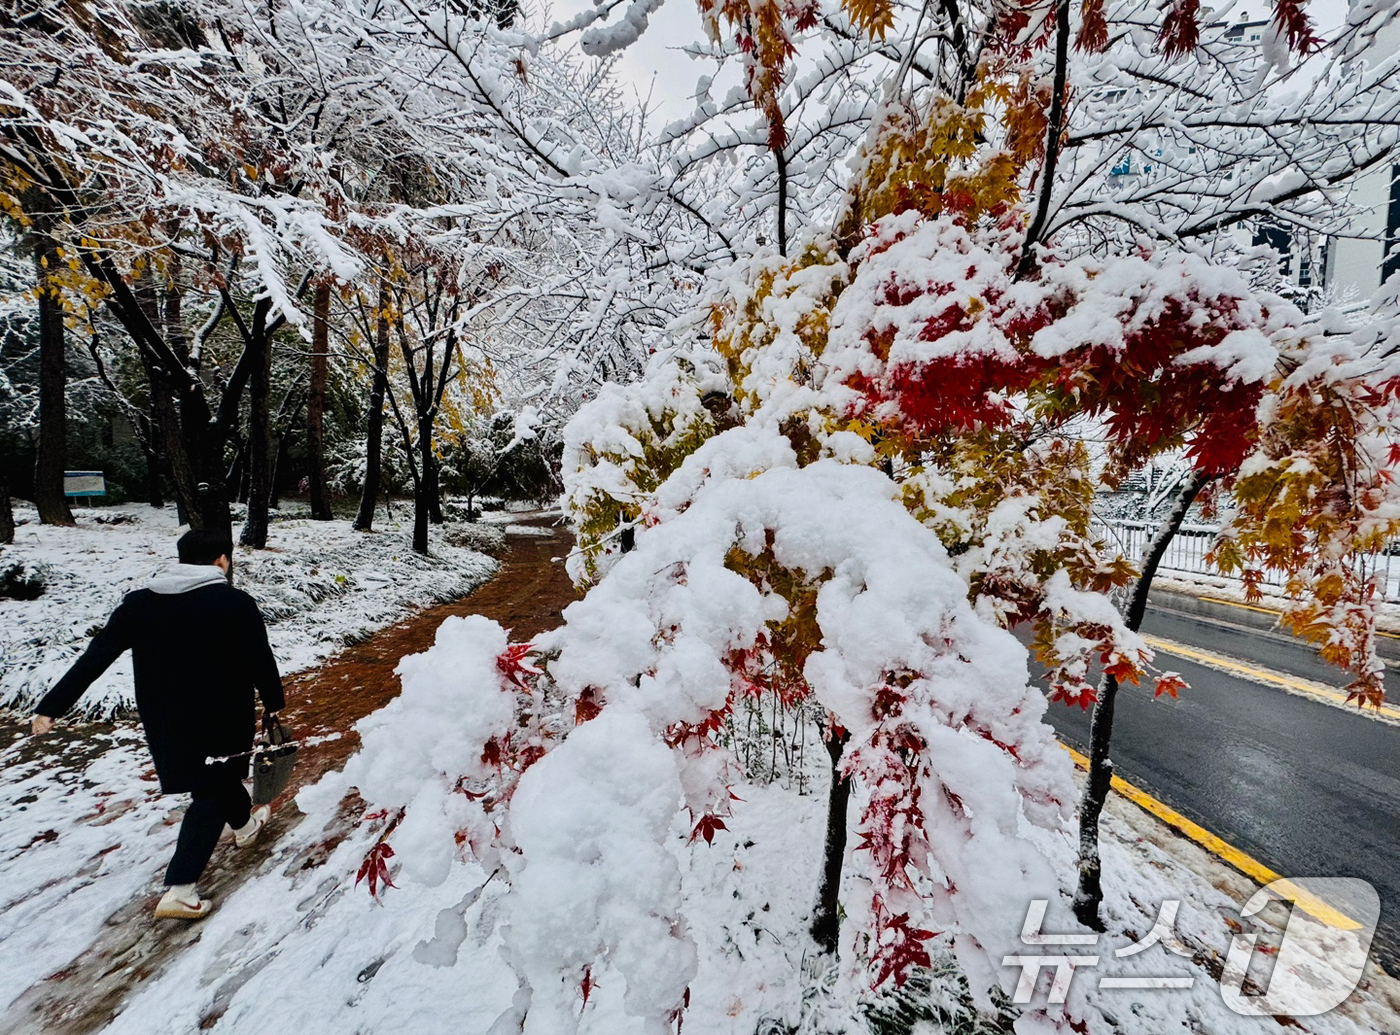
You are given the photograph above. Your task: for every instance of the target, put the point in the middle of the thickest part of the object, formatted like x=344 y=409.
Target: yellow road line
x=1226 y=852
x=1242 y=607
x=1265 y=676
x=1273 y=611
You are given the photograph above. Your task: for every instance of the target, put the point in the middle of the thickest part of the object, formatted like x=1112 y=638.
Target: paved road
x=1306 y=788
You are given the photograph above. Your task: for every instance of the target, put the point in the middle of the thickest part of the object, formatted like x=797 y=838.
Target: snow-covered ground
x=82 y=830
x=1225 y=588
x=303 y=949
x=320 y=584
x=300 y=947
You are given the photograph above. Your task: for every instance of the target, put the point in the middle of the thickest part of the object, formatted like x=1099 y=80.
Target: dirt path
x=526 y=597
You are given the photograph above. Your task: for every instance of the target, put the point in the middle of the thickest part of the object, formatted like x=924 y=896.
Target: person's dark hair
x=204 y=546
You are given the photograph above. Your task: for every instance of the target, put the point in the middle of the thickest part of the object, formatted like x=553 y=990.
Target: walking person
x=198 y=649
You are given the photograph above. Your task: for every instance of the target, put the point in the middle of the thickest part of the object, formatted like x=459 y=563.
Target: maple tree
x=747 y=588
x=952 y=322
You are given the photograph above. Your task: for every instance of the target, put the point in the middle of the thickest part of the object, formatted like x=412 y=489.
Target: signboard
x=84 y=483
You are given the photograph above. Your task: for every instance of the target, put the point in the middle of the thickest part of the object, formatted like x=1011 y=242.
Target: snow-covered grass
x=83 y=829
x=488 y=539
x=320 y=584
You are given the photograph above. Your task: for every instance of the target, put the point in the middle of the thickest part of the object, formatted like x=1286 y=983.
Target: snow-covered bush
x=21 y=581
x=813 y=583
x=620 y=447
x=484 y=538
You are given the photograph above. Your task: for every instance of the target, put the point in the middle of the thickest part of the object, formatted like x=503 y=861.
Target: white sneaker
x=248 y=833
x=178 y=905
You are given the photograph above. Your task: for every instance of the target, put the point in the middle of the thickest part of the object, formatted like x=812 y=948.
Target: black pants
x=223 y=801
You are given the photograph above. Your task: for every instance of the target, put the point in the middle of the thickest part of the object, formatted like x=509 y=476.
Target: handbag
x=273 y=759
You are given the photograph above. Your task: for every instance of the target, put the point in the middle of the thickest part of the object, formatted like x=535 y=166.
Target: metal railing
x=1186 y=553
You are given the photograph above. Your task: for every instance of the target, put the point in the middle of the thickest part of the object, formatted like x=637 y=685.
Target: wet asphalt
x=1306 y=788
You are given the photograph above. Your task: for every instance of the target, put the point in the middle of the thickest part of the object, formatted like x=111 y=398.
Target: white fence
x=1186 y=553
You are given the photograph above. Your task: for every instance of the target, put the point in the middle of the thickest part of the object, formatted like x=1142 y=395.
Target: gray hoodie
x=181 y=578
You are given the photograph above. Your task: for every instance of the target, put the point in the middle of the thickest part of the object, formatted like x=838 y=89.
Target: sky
x=656 y=66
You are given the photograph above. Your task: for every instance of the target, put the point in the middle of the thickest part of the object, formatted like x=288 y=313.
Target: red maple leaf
x=1181 y=28
x=1366 y=691
x=1168 y=683
x=678 y=1014
x=376 y=868
x=586 y=706
x=1082 y=695
x=1295 y=26
x=512 y=664
x=906 y=951
x=707 y=826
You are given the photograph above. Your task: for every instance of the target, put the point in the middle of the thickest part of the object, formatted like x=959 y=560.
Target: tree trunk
x=150 y=449
x=237 y=471
x=316 y=405
x=180 y=461
x=7 y=513
x=169 y=439
x=420 y=518
x=279 y=466
x=1089 y=895
x=422 y=502
x=364 y=521
x=176 y=416
x=826 y=918
x=211 y=487
x=433 y=486
x=53 y=381
x=259 y=443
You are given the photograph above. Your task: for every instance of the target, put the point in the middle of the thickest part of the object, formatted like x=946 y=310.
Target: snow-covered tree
x=991 y=273
x=765 y=576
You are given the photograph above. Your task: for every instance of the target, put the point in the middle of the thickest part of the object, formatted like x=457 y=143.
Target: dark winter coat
x=196 y=655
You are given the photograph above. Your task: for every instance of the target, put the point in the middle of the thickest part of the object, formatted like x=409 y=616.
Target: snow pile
x=596 y=884
x=425 y=754
x=320 y=586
